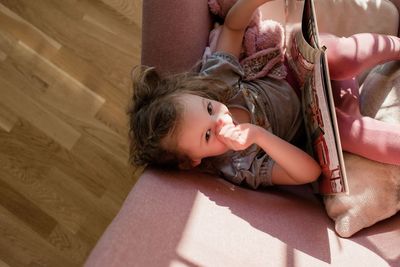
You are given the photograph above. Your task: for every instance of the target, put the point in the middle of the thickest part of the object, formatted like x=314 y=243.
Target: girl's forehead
x=192 y=104
x=187 y=97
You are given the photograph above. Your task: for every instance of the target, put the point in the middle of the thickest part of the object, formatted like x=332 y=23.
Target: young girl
x=242 y=130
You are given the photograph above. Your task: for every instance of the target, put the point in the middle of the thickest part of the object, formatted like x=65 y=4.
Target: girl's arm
x=292 y=165
x=235 y=24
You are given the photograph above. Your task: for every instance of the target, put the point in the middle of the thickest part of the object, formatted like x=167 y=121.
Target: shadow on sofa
x=199 y=220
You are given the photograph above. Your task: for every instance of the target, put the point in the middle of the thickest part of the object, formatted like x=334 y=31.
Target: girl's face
x=202 y=120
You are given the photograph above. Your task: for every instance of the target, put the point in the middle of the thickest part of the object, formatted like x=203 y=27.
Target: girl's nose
x=224 y=119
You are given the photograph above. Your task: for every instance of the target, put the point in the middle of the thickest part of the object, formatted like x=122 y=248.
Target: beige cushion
x=349 y=17
x=380 y=93
x=374 y=187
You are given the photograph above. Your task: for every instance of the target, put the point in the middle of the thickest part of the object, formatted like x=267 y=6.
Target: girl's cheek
x=218 y=138
x=221 y=140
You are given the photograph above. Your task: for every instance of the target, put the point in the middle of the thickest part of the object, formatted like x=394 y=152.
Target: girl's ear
x=187 y=165
x=196 y=162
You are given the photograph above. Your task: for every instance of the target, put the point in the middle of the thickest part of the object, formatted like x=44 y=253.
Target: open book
x=308 y=62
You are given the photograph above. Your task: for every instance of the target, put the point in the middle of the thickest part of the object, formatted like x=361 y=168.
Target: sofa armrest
x=189 y=219
x=374 y=16
x=174 y=33
x=396 y=3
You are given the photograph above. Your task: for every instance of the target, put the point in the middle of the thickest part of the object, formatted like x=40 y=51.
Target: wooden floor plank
x=34 y=187
x=94 y=155
x=43 y=81
x=3 y=56
x=23 y=247
x=3 y=264
x=114 y=117
x=29 y=144
x=103 y=136
x=93 y=206
x=118 y=18
x=7 y=118
x=64 y=90
x=99 y=55
x=99 y=211
x=64 y=95
x=27 y=32
x=29 y=82
x=25 y=210
x=104 y=32
x=24 y=106
x=129 y=9
x=68 y=244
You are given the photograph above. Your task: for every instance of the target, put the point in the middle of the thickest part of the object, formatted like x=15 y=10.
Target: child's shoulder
x=222 y=64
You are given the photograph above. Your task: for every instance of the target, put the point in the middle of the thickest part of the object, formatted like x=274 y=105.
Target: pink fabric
x=397 y=4
x=175 y=34
x=347 y=57
x=221 y=7
x=262 y=53
x=188 y=219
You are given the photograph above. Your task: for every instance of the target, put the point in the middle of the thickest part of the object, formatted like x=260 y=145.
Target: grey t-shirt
x=271 y=103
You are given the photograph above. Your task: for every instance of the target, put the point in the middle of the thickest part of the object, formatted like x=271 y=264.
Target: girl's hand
x=237 y=137
x=292 y=165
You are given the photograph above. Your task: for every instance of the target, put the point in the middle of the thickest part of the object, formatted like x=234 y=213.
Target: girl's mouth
x=233 y=120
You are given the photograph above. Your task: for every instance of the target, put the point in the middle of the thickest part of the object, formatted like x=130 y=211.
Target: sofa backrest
x=344 y=17
x=175 y=33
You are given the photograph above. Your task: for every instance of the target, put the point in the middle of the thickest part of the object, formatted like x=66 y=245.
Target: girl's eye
x=208 y=134
x=209 y=108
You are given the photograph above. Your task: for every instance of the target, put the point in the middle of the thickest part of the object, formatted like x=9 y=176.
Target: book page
x=309 y=64
x=325 y=145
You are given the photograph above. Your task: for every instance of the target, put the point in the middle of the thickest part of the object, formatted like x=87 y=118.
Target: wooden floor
x=64 y=89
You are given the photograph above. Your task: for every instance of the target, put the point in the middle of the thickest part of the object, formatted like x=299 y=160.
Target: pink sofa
x=189 y=219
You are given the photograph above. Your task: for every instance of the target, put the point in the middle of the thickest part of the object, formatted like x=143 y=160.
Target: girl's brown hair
x=156 y=111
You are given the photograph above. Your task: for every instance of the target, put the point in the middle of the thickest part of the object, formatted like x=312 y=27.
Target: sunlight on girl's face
x=201 y=123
